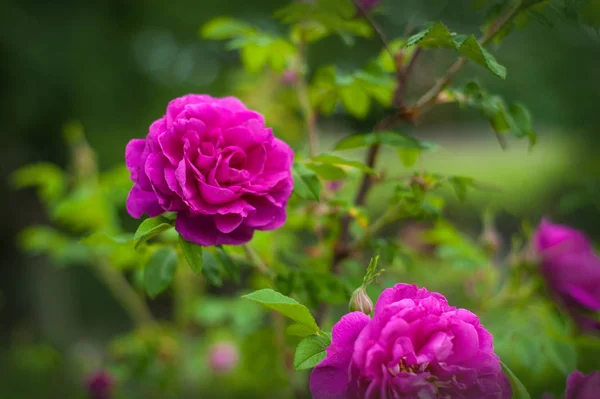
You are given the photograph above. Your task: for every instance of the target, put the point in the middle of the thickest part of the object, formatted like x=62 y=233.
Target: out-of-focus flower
x=581 y=386
x=100 y=385
x=215 y=163
x=416 y=345
x=289 y=77
x=367 y=5
x=571 y=269
x=223 y=357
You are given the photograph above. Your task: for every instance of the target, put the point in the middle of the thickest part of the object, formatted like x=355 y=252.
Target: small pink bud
x=223 y=357
x=335 y=185
x=289 y=77
x=99 y=384
x=360 y=302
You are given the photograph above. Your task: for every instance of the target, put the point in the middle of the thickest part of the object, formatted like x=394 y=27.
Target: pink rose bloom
x=223 y=357
x=215 y=163
x=580 y=386
x=571 y=269
x=415 y=346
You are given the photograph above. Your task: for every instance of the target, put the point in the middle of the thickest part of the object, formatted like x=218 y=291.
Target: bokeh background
x=113 y=66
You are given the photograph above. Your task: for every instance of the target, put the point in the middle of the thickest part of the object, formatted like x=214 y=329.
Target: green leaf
x=285 y=305
x=392 y=139
x=437 y=35
x=310 y=352
x=306 y=182
x=335 y=160
x=519 y=390
x=327 y=171
x=221 y=28
x=590 y=13
x=409 y=156
x=254 y=57
x=299 y=330
x=49 y=179
x=471 y=49
x=193 y=254
x=355 y=100
x=151 y=227
x=160 y=271
x=211 y=269
x=460 y=185
x=228 y=264
x=520 y=121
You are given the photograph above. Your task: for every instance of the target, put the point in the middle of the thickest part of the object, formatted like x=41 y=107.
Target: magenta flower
x=580 y=386
x=368 y=4
x=99 y=385
x=571 y=270
x=415 y=346
x=215 y=163
x=223 y=357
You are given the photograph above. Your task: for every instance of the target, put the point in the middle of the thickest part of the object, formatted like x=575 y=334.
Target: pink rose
x=215 y=163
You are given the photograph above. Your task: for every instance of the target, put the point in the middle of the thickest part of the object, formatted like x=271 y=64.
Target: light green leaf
x=409 y=156
x=336 y=160
x=211 y=269
x=519 y=390
x=306 y=182
x=285 y=305
x=254 y=57
x=327 y=171
x=390 y=138
x=151 y=227
x=355 y=100
x=160 y=271
x=193 y=255
x=299 y=330
x=471 y=49
x=310 y=352
x=460 y=185
x=49 y=179
x=221 y=28
x=437 y=35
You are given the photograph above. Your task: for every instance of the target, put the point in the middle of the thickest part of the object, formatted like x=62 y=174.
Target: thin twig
x=376 y=27
x=256 y=260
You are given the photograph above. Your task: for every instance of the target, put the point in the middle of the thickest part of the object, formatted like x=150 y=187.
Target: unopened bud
x=360 y=301
x=289 y=77
x=491 y=240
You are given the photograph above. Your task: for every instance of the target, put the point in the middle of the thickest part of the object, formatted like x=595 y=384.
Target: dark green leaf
x=160 y=271
x=211 y=269
x=151 y=227
x=193 y=255
x=392 y=139
x=437 y=35
x=306 y=182
x=471 y=49
x=285 y=305
x=519 y=390
x=310 y=352
x=228 y=264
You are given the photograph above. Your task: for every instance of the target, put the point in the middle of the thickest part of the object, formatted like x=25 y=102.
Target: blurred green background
x=114 y=65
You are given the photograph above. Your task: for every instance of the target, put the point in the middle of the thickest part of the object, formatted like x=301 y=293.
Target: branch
x=375 y=26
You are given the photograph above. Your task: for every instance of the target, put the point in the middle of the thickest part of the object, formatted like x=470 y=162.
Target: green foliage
x=193 y=255
x=150 y=228
x=211 y=268
x=284 y=305
x=306 y=182
x=438 y=35
x=519 y=390
x=160 y=271
x=310 y=352
x=514 y=119
x=388 y=138
x=48 y=178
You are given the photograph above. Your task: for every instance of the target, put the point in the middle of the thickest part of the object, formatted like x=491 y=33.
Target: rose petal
x=141 y=202
x=202 y=230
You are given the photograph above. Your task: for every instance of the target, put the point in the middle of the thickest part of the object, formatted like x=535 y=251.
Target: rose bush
x=215 y=163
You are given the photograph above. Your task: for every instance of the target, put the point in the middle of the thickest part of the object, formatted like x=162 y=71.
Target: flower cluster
x=215 y=163
x=415 y=346
x=571 y=269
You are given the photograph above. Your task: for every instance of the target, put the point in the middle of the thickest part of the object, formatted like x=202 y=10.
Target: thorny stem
x=375 y=26
x=310 y=117
x=122 y=291
x=341 y=248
